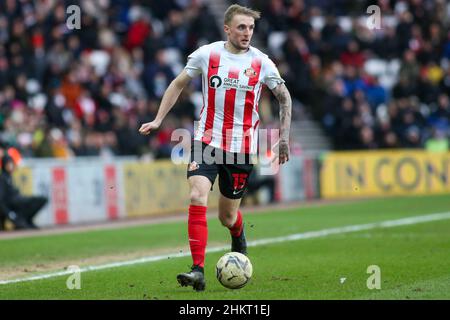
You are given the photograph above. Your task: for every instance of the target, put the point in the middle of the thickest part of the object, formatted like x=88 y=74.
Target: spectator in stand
x=353 y=55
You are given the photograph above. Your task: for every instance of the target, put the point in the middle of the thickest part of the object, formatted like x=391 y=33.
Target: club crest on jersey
x=250 y=72
x=193 y=166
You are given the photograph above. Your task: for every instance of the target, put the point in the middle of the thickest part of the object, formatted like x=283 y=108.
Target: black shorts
x=233 y=168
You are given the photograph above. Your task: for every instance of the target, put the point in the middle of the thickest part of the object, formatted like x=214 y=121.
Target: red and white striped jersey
x=232 y=85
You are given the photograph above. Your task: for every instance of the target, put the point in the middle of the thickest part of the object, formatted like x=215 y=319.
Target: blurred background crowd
x=86 y=91
x=385 y=87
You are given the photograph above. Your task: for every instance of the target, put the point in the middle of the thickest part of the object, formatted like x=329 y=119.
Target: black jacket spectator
x=14 y=206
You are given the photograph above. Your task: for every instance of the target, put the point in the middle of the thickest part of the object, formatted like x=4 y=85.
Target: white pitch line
x=292 y=237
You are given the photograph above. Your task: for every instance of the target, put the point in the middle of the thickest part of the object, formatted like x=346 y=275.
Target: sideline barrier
x=298 y=179
x=81 y=190
x=92 y=189
x=84 y=190
x=158 y=187
x=384 y=173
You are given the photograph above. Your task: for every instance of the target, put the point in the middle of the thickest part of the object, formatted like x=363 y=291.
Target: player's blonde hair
x=235 y=9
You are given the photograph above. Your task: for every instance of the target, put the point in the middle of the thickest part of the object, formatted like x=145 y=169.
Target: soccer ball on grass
x=234 y=270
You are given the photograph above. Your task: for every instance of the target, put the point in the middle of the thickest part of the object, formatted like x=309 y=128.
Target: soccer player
x=233 y=73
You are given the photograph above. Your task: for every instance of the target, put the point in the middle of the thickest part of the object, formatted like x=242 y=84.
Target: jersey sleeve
x=271 y=76
x=194 y=63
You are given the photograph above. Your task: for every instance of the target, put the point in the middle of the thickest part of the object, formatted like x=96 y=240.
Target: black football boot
x=239 y=244
x=194 y=278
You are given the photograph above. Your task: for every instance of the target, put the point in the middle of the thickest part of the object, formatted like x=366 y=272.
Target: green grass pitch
x=414 y=259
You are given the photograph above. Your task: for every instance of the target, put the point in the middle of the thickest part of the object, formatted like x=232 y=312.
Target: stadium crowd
x=383 y=87
x=86 y=91
x=79 y=92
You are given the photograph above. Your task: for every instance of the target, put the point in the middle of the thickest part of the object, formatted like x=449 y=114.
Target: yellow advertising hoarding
x=23 y=180
x=383 y=173
x=156 y=188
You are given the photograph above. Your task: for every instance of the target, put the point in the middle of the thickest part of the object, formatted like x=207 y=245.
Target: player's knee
x=227 y=219
x=198 y=198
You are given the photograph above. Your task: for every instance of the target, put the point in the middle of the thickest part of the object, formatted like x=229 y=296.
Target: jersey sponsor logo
x=232 y=83
x=236 y=192
x=215 y=82
x=228 y=83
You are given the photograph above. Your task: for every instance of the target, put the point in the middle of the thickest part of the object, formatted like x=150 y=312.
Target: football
x=234 y=270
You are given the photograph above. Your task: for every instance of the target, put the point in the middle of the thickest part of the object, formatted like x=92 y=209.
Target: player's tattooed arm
x=284 y=98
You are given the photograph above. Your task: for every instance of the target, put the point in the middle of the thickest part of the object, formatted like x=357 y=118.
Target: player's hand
x=148 y=127
x=281 y=149
x=284 y=152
